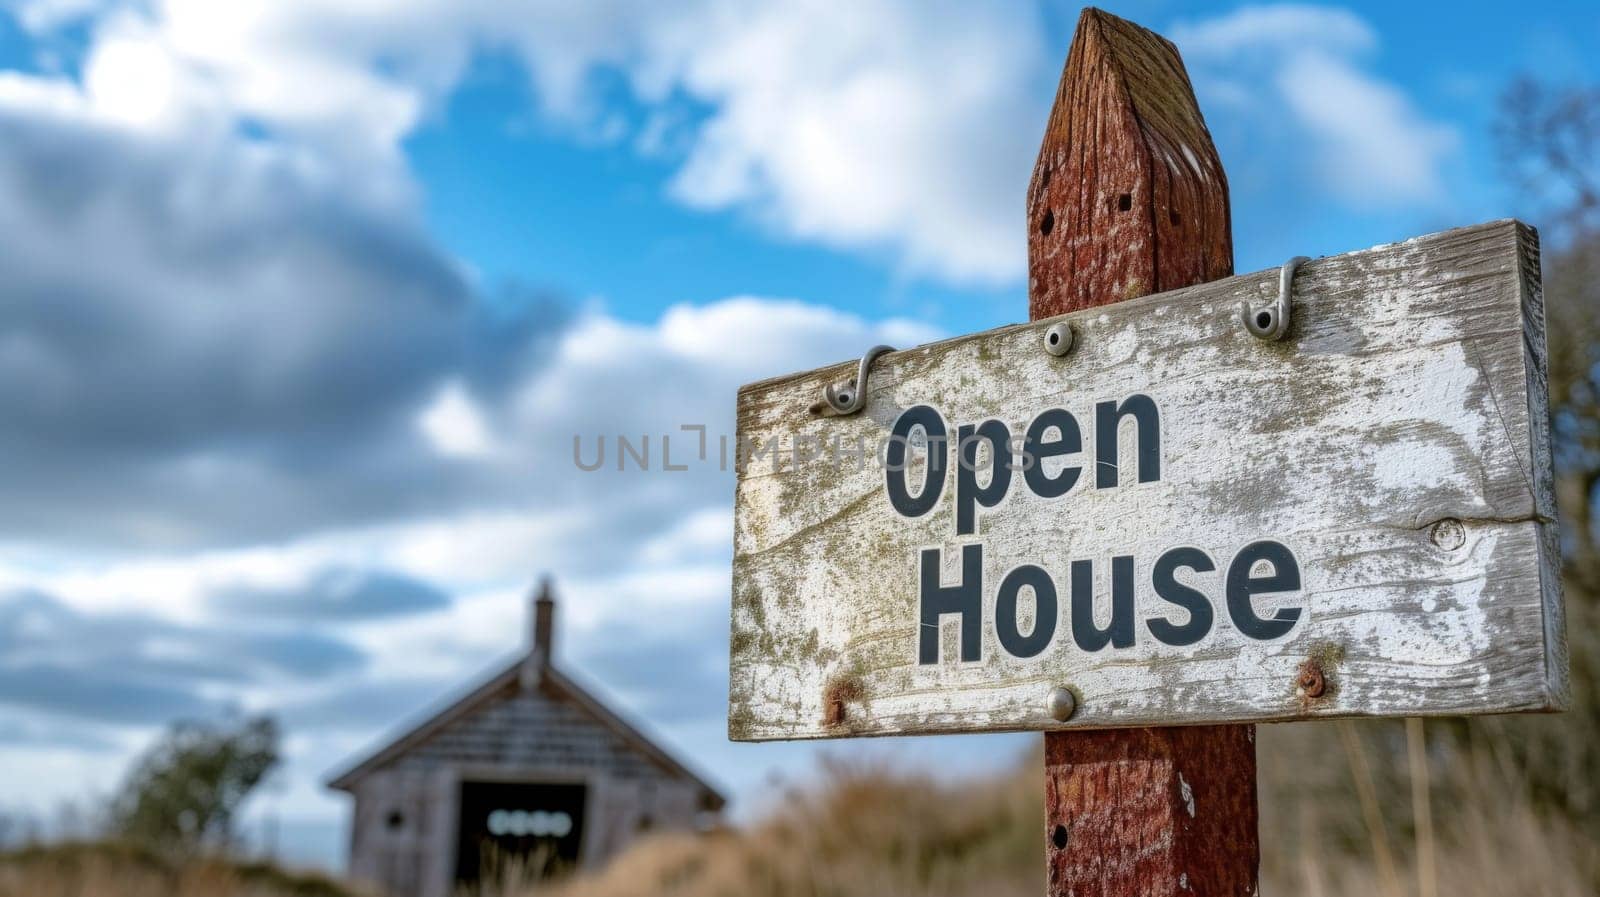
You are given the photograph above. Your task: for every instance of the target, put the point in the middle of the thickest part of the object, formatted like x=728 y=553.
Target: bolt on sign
x=1323 y=491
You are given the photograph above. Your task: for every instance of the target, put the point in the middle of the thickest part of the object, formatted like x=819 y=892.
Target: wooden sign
x=1175 y=521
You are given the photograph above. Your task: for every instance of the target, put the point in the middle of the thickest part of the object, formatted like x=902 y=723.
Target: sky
x=305 y=302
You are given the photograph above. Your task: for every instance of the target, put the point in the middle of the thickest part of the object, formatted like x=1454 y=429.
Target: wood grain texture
x=1152 y=811
x=1144 y=207
x=1128 y=196
x=1407 y=393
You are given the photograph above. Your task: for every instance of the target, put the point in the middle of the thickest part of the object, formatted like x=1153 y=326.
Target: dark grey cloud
x=133 y=668
x=373 y=706
x=103 y=695
x=202 y=343
x=337 y=594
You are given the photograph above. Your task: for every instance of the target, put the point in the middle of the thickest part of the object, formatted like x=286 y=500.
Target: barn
x=527 y=769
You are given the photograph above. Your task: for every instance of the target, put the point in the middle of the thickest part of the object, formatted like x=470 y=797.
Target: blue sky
x=305 y=302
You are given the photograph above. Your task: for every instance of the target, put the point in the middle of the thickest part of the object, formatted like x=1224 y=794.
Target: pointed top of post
x=1128 y=196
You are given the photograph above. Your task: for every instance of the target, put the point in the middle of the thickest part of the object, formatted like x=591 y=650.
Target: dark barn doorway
x=517 y=828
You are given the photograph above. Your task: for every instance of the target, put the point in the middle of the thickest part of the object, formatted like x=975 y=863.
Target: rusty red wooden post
x=1129 y=198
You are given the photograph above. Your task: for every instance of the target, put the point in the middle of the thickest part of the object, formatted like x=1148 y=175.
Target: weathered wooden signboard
x=1175 y=521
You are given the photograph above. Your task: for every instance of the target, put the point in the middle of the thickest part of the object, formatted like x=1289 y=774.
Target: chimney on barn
x=543 y=622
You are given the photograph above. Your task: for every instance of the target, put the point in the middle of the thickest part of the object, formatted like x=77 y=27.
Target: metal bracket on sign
x=1271 y=322
x=851 y=395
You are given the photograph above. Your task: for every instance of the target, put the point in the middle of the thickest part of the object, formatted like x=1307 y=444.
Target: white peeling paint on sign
x=1355 y=521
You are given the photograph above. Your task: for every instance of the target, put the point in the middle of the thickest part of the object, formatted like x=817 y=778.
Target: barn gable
x=504 y=722
x=529 y=726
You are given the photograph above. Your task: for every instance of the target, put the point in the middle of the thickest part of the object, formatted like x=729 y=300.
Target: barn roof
x=548 y=679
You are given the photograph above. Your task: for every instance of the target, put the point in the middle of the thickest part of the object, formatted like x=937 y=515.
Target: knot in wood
x=1449 y=534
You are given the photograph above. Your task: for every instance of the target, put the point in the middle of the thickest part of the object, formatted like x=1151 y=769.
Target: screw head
x=1449 y=534
x=1058 y=338
x=1063 y=703
x=1311 y=684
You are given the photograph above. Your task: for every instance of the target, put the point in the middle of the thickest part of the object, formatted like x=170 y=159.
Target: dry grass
x=108 y=870
x=1451 y=820
x=874 y=833
x=1349 y=810
x=867 y=831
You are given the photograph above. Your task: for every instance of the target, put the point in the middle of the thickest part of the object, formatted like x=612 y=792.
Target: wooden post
x=1129 y=198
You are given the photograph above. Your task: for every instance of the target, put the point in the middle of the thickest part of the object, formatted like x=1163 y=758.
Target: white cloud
x=609 y=376
x=747 y=332
x=1249 y=28
x=1370 y=141
x=899 y=128
x=455 y=424
x=902 y=128
x=134 y=82
x=1306 y=67
x=880 y=124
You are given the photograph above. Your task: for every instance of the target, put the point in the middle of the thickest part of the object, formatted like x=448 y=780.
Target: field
x=1496 y=806
x=113 y=870
x=1339 y=819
